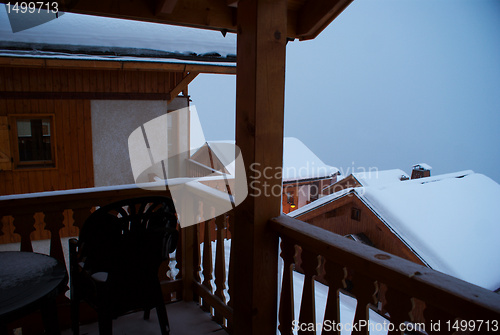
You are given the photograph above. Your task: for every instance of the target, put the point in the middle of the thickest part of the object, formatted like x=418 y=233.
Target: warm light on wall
x=290 y=200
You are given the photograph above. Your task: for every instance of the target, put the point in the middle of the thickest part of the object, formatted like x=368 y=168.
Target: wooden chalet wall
x=298 y=197
x=66 y=93
x=72 y=135
x=337 y=217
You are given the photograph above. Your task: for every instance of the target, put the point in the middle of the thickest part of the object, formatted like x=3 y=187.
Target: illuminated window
x=33 y=141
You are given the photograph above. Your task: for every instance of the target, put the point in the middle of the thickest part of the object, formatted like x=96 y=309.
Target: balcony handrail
x=446 y=293
x=74 y=198
x=83 y=197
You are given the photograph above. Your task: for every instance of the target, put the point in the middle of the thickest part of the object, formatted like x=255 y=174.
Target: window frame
x=14 y=140
x=355 y=214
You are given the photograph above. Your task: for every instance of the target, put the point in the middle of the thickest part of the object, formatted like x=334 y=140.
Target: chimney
x=420 y=171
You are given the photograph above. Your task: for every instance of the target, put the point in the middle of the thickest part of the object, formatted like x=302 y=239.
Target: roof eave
x=116 y=64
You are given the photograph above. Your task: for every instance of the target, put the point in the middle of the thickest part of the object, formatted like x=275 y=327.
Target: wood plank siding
x=349 y=215
x=66 y=95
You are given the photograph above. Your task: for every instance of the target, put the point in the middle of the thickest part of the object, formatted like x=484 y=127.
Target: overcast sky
x=388 y=84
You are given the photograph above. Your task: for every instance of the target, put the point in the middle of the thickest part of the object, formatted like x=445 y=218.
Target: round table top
x=26 y=277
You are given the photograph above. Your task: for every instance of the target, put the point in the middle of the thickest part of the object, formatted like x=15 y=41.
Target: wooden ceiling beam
x=316 y=15
x=165 y=6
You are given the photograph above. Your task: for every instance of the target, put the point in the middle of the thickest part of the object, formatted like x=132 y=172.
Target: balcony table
x=29 y=282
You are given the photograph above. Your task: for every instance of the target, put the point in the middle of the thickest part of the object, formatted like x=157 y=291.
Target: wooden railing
x=390 y=286
x=211 y=287
x=405 y=293
x=52 y=215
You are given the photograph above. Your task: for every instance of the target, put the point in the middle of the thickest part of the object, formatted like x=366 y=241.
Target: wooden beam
x=165 y=6
x=84 y=95
x=116 y=65
x=316 y=15
x=260 y=85
x=181 y=85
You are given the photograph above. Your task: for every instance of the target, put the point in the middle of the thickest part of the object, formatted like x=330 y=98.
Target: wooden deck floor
x=185 y=319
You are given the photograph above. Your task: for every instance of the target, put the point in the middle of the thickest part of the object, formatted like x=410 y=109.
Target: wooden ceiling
x=306 y=18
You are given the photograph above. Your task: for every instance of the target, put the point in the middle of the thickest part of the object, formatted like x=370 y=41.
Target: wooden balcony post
x=260 y=85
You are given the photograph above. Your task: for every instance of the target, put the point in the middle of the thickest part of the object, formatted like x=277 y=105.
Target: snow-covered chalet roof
x=376 y=177
x=447 y=220
x=91 y=37
x=299 y=162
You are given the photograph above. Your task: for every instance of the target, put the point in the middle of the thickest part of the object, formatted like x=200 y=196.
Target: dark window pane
x=34 y=140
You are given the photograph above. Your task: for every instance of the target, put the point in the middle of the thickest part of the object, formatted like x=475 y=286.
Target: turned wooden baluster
x=198 y=238
x=365 y=290
x=229 y=232
x=435 y=321
x=5 y=228
x=286 y=311
x=54 y=221
x=178 y=254
x=196 y=254
x=24 y=225
x=229 y=224
x=310 y=264
x=417 y=312
x=399 y=307
x=163 y=275
x=220 y=264
x=230 y=227
x=207 y=261
x=79 y=216
x=334 y=275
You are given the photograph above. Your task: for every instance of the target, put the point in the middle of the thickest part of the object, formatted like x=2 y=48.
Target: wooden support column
x=260 y=90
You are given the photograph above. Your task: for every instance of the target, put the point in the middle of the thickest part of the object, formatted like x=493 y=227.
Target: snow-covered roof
x=377 y=178
x=299 y=162
x=447 y=220
x=108 y=38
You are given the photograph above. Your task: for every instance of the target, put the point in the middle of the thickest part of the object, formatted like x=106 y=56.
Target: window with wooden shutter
x=32 y=139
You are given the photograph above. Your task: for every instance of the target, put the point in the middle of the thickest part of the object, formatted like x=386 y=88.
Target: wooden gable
x=349 y=215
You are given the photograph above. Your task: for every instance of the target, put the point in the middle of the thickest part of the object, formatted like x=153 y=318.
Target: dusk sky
x=390 y=83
